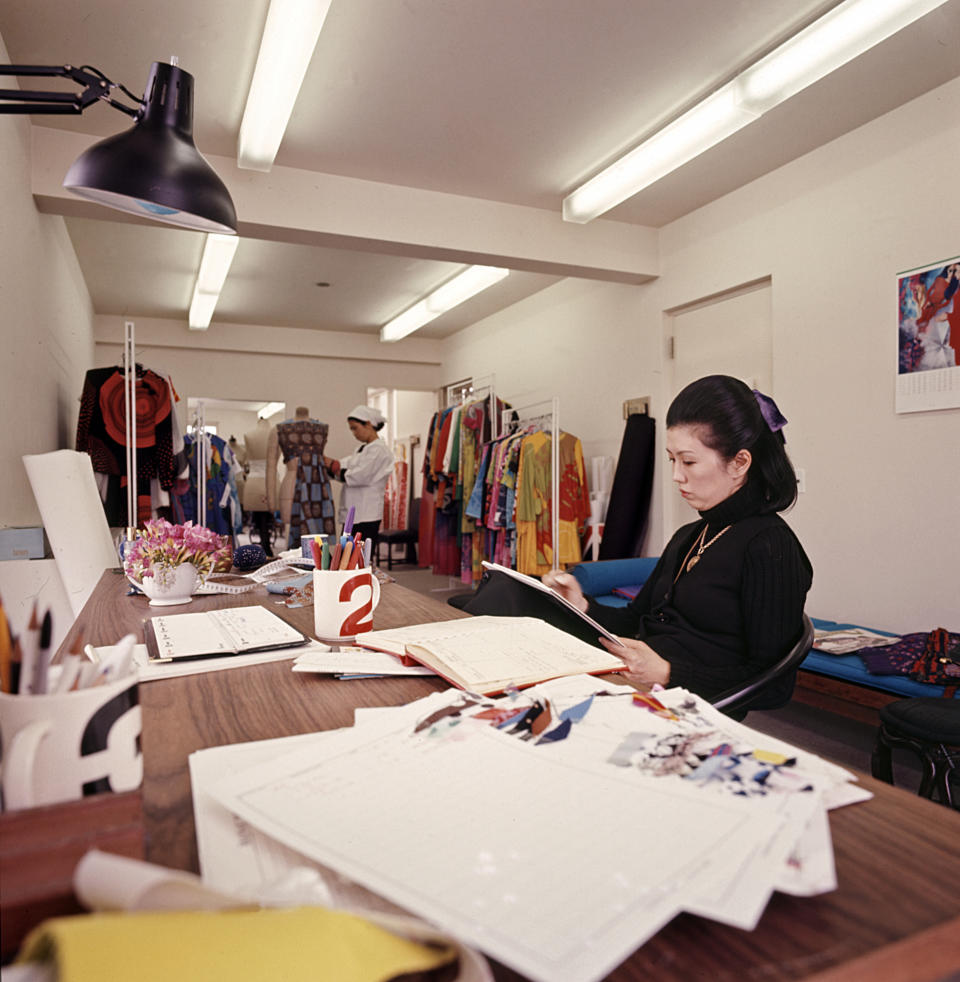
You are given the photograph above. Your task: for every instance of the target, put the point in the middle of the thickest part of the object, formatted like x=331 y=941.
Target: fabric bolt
x=630 y=494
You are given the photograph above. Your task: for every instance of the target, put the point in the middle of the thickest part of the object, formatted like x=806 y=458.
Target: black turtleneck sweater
x=736 y=611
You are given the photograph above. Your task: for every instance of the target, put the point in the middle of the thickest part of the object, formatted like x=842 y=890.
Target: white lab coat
x=367 y=471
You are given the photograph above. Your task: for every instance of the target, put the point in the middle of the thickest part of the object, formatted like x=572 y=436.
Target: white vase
x=167 y=586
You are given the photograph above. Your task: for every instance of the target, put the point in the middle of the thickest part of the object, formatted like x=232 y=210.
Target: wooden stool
x=930 y=728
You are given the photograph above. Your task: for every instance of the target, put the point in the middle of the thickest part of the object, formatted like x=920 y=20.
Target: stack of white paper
x=555 y=829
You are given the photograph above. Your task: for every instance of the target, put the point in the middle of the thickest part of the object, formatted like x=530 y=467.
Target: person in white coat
x=364 y=473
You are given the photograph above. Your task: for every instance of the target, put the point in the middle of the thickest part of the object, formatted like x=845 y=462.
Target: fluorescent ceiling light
x=467 y=284
x=265 y=412
x=838 y=37
x=289 y=37
x=841 y=35
x=704 y=126
x=218 y=252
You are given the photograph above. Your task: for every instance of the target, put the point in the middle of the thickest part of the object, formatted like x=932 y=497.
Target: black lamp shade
x=154 y=169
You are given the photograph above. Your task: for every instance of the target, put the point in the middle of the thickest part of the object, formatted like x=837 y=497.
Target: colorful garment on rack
x=312 y=511
x=534 y=508
x=395 y=497
x=101 y=432
x=222 y=509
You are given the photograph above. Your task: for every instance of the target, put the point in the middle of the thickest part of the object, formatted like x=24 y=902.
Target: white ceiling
x=513 y=101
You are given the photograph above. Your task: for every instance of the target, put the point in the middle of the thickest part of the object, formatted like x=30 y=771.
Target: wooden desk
x=898 y=861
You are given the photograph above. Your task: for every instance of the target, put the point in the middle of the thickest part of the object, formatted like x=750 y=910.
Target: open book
x=487 y=654
x=231 y=631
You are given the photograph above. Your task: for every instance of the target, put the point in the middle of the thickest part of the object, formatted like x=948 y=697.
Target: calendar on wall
x=928 y=337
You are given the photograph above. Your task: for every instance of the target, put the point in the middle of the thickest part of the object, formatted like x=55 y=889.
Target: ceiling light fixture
x=462 y=287
x=269 y=409
x=154 y=169
x=836 y=38
x=289 y=37
x=218 y=252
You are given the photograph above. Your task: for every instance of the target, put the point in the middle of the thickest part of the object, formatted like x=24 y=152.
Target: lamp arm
x=96 y=87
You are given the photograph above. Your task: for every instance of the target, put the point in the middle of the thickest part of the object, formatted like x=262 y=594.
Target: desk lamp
x=153 y=170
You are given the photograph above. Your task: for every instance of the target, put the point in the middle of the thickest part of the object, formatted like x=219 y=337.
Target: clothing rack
x=512 y=420
x=200 y=441
x=130 y=422
x=479 y=388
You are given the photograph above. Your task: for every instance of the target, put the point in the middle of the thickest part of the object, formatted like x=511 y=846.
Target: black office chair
x=929 y=727
x=737 y=702
x=408 y=536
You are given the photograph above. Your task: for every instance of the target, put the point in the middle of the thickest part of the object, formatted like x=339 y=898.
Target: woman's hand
x=332 y=466
x=568 y=588
x=644 y=665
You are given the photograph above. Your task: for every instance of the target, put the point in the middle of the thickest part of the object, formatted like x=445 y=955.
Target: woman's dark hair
x=729 y=419
x=377 y=426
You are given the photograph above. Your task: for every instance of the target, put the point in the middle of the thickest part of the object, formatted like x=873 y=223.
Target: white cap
x=368 y=414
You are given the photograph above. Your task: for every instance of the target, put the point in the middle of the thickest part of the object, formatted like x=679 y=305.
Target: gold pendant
x=693 y=562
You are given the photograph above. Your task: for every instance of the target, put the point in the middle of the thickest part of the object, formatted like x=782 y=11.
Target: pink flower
x=165 y=545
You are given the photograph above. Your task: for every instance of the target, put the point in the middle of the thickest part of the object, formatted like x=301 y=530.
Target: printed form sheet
x=555 y=869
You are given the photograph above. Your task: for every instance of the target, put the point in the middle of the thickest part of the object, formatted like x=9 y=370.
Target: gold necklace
x=701 y=546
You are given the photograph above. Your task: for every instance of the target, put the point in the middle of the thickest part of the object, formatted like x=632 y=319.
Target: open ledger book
x=231 y=631
x=487 y=655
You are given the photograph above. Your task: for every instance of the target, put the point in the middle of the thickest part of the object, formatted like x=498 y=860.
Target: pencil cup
x=65 y=746
x=343 y=603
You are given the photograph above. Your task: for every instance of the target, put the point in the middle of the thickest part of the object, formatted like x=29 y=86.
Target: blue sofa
x=599 y=579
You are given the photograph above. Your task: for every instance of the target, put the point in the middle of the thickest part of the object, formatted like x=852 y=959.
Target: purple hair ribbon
x=775 y=419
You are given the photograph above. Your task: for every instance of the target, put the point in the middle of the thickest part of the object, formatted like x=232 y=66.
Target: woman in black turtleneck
x=726 y=598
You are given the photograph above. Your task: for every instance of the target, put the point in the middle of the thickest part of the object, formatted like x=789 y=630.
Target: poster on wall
x=928 y=337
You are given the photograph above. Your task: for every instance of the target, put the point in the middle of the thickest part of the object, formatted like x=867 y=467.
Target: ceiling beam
x=291 y=205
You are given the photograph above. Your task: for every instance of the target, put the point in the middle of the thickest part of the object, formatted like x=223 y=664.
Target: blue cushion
x=598 y=579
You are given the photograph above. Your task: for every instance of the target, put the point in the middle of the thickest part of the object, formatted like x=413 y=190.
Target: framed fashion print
x=928 y=337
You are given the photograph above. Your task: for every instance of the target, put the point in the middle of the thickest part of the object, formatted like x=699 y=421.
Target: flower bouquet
x=155 y=560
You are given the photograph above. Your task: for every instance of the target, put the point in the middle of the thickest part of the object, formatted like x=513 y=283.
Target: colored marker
x=41 y=668
x=29 y=644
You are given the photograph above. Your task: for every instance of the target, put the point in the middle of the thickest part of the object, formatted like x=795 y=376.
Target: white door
x=729 y=334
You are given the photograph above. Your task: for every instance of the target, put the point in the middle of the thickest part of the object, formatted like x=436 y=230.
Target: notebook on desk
x=214 y=633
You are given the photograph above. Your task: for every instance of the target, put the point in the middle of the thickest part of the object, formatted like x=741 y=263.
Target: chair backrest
x=69 y=504
x=739 y=699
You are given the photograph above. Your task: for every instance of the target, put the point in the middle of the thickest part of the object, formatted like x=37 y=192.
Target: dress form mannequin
x=304 y=496
x=254 y=499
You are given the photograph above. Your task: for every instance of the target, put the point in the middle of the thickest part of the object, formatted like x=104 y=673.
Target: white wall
x=831 y=230
x=47 y=326
x=327 y=372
